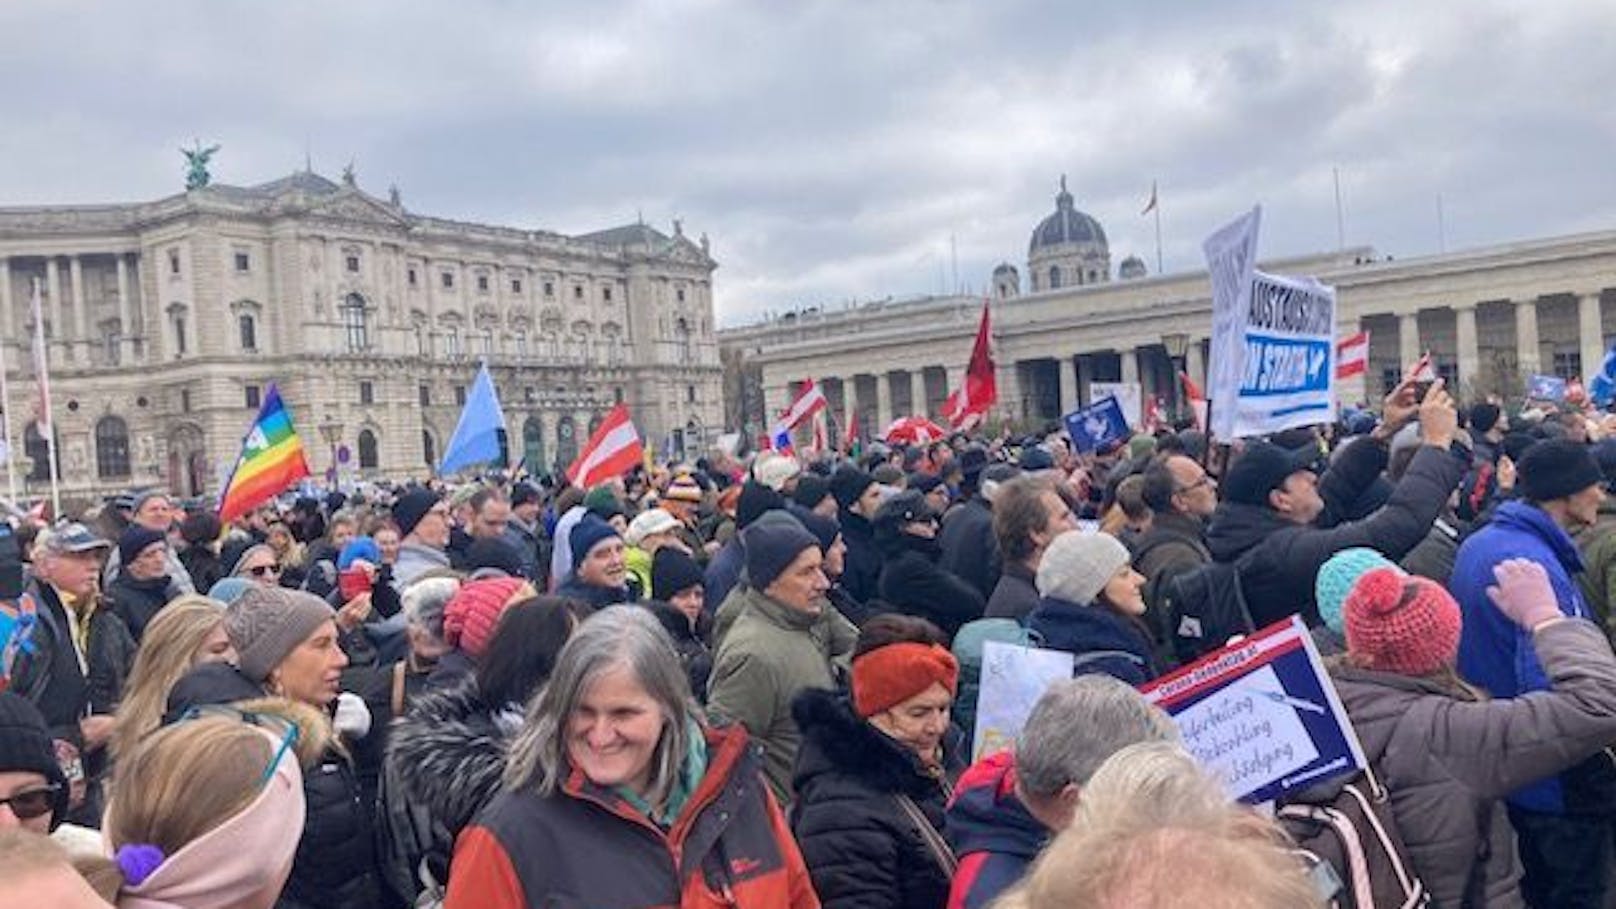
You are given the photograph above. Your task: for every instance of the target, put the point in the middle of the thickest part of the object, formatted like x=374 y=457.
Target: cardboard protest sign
x=1096 y=425
x=1261 y=714
x=1130 y=397
x=1231 y=257
x=1013 y=679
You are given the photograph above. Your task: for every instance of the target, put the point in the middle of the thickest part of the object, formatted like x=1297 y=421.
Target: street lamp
x=1177 y=344
x=331 y=432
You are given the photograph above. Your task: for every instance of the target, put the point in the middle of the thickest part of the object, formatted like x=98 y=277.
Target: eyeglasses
x=33 y=803
x=288 y=730
x=259 y=571
x=1205 y=480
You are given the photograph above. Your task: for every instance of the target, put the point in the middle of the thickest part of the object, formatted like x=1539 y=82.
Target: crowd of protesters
x=751 y=682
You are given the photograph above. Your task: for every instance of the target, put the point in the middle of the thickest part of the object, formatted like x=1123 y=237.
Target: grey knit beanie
x=1077 y=565
x=267 y=623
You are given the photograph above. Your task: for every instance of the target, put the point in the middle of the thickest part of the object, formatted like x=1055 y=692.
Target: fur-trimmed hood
x=835 y=741
x=448 y=753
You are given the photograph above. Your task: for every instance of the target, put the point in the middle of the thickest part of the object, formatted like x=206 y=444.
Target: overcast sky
x=846 y=151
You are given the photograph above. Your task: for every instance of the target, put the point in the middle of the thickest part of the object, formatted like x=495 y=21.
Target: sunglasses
x=266 y=721
x=33 y=803
x=259 y=571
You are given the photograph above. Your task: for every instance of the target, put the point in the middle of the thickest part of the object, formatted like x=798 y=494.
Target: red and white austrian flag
x=1352 y=356
x=612 y=451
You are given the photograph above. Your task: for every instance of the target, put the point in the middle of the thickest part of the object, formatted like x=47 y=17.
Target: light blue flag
x=482 y=422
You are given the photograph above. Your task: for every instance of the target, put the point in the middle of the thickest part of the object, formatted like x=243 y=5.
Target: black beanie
x=672 y=571
x=824 y=529
x=772 y=543
x=495 y=553
x=135 y=538
x=411 y=507
x=755 y=499
x=1516 y=443
x=811 y=490
x=848 y=483
x=1557 y=468
x=25 y=746
x=1483 y=417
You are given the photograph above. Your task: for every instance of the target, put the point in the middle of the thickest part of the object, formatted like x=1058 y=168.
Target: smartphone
x=1421 y=388
x=354 y=581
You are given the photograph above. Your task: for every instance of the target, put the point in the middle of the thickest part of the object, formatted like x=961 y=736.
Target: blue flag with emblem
x=1097 y=425
x=1602 y=387
x=1546 y=388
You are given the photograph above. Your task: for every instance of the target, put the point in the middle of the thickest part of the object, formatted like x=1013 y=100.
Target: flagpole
x=1158 y=239
x=5 y=427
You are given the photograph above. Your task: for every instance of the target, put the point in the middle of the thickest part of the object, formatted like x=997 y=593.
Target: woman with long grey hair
x=612 y=749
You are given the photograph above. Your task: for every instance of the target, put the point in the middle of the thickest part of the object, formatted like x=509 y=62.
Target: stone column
x=126 y=330
x=1084 y=367
x=1408 y=338
x=1195 y=362
x=1590 y=333
x=8 y=329
x=1464 y=331
x=137 y=312
x=1130 y=366
x=75 y=273
x=1527 y=352
x=883 y=402
x=53 y=287
x=917 y=391
x=1067 y=367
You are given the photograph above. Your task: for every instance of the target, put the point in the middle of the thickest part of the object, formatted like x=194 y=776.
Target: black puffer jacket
x=862 y=848
x=693 y=644
x=1279 y=559
x=137 y=601
x=912 y=581
x=861 y=570
x=444 y=761
x=336 y=866
x=969 y=548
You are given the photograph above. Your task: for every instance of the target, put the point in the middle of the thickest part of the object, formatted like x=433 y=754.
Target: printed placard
x=1013 y=679
x=1261 y=714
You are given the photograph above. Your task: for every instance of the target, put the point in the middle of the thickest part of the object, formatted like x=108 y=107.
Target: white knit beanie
x=1077 y=565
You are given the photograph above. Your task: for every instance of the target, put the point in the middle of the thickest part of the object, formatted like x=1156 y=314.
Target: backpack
x=1350 y=829
x=967 y=650
x=1206 y=607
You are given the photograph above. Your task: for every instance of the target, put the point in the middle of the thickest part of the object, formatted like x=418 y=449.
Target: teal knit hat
x=1336 y=577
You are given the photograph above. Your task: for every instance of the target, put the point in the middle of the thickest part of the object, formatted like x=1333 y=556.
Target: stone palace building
x=167 y=320
x=1490 y=317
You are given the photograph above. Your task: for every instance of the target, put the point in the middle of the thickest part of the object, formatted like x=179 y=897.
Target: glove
x=352 y=720
x=1523 y=593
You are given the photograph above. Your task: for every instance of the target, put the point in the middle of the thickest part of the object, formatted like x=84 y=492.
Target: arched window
x=367 y=450
x=111 y=448
x=247 y=328
x=566 y=441
x=429 y=448
x=353 y=322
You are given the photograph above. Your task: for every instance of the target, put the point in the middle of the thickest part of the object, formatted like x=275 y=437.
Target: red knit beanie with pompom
x=1402 y=623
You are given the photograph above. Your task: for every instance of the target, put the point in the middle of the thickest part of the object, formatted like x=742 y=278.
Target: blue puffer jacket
x=1498 y=655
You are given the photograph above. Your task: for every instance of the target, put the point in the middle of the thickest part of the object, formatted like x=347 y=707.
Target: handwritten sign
x=1013 y=679
x=1261 y=714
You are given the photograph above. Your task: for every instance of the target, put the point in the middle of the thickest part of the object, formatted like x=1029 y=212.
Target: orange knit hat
x=887 y=676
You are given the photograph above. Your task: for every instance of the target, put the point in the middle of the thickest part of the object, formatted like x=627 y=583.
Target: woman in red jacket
x=617 y=795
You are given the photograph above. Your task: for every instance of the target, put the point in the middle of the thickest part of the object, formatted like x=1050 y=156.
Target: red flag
x=850 y=435
x=1352 y=356
x=612 y=451
x=981 y=390
x=1422 y=370
x=1197 y=399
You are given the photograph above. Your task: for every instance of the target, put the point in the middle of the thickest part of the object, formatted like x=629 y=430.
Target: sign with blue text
x=1273 y=341
x=1097 y=425
x=1261 y=714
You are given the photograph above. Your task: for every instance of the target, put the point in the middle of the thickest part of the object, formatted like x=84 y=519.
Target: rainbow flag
x=271 y=460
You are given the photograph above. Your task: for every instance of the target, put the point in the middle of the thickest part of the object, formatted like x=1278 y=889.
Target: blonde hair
x=1148 y=821
x=189 y=777
x=167 y=651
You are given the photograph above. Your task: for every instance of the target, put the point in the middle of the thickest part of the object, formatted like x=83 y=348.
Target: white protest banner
x=1013 y=679
x=1261 y=714
x=1288 y=362
x=1231 y=257
x=1128 y=395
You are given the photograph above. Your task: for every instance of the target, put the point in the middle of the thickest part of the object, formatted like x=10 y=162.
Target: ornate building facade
x=166 y=321
x=1489 y=316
